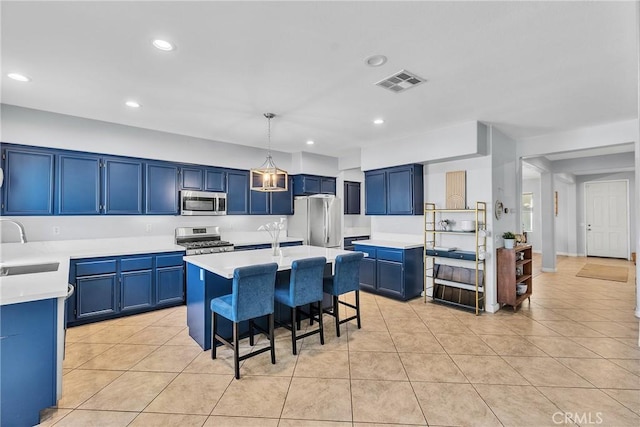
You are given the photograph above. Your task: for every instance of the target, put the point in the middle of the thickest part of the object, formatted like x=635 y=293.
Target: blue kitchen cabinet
x=306 y=185
x=122 y=186
x=136 y=283
x=272 y=203
x=375 y=193
x=215 y=180
x=169 y=279
x=78 y=184
x=395 y=191
x=28 y=353
x=161 y=189
x=237 y=192
x=96 y=295
x=392 y=272
x=351 y=198
x=191 y=178
x=28 y=181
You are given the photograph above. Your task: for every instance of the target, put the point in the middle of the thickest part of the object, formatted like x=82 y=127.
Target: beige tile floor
x=570 y=357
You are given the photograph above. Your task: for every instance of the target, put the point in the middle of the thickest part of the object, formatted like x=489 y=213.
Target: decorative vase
x=275 y=247
x=509 y=243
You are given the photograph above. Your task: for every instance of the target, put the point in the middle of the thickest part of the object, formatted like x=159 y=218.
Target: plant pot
x=509 y=243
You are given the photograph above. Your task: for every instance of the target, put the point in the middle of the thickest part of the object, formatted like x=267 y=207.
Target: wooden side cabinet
x=515 y=266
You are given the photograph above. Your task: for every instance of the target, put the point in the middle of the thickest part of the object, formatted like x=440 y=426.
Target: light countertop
x=223 y=264
x=395 y=244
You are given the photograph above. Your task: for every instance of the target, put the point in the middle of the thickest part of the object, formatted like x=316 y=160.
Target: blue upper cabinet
x=237 y=192
x=28 y=181
x=215 y=180
x=282 y=201
x=161 y=189
x=375 y=192
x=191 y=178
x=306 y=185
x=123 y=186
x=78 y=184
x=351 y=198
x=395 y=191
x=259 y=202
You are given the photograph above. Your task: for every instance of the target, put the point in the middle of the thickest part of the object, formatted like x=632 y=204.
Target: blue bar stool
x=304 y=287
x=346 y=278
x=251 y=297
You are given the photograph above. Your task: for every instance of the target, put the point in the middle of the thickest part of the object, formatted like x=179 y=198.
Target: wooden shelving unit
x=455 y=277
x=514 y=266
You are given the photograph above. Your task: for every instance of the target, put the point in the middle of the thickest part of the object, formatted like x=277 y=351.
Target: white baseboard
x=492 y=308
x=567 y=254
x=549 y=270
x=536 y=251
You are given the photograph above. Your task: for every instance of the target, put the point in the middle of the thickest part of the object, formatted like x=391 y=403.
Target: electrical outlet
x=56 y=230
x=148 y=228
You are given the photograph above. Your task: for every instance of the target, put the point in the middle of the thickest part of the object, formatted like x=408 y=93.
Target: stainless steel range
x=202 y=240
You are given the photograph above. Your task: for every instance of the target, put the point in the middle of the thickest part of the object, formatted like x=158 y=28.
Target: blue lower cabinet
x=113 y=287
x=135 y=290
x=96 y=295
x=28 y=349
x=396 y=273
x=169 y=285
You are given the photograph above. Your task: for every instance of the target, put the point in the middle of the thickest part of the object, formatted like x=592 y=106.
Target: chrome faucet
x=23 y=237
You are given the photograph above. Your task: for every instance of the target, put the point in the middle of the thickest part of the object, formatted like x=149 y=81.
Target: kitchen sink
x=14 y=270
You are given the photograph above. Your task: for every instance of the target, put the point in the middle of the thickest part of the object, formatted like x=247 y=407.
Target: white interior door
x=606 y=215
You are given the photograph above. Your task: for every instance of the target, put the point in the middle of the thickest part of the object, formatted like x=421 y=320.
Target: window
x=527 y=212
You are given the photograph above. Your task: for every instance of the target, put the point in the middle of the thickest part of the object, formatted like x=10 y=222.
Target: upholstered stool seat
x=251 y=297
x=346 y=279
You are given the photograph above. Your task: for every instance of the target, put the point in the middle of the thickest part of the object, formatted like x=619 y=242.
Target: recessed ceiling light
x=163 y=45
x=378 y=121
x=310 y=142
x=18 y=77
x=132 y=104
x=375 y=60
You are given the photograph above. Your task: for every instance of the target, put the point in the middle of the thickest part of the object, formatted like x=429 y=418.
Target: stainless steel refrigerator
x=316 y=219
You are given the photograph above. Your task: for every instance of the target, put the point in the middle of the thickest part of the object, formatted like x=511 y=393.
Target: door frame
x=584 y=207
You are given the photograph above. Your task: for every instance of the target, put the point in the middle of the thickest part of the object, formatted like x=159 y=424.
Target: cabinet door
x=28 y=182
x=400 y=191
x=282 y=201
x=328 y=186
x=123 y=186
x=161 y=189
x=390 y=276
x=191 y=178
x=352 y=198
x=237 y=192
x=259 y=203
x=135 y=290
x=215 y=179
x=78 y=185
x=27 y=361
x=375 y=193
x=169 y=285
x=368 y=274
x=304 y=185
x=96 y=295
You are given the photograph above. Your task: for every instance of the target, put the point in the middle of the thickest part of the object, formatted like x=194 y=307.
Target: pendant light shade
x=268 y=177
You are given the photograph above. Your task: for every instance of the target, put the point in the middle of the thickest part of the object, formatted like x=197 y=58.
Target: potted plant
x=509 y=239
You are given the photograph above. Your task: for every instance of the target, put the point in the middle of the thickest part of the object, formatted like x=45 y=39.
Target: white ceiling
x=528 y=67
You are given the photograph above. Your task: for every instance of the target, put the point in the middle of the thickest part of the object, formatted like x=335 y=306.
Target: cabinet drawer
x=369 y=250
x=95 y=267
x=169 y=260
x=138 y=263
x=390 y=254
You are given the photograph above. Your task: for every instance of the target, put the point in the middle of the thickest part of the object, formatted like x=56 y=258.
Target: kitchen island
x=211 y=276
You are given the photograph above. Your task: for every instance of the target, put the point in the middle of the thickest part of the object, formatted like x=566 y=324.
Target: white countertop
x=38 y=286
x=395 y=244
x=356 y=231
x=223 y=264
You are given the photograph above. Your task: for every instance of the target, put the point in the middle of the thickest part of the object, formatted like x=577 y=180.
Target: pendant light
x=268 y=177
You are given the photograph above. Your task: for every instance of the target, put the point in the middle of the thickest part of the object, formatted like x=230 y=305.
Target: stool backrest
x=253 y=290
x=347 y=273
x=306 y=280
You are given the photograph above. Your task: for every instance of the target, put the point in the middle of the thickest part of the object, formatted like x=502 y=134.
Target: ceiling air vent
x=400 y=81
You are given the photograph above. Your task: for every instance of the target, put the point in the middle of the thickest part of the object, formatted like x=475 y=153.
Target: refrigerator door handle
x=326 y=222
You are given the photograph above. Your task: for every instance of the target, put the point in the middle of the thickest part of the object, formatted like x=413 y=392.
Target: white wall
x=314 y=164
x=580 y=207
x=565 y=226
x=534 y=238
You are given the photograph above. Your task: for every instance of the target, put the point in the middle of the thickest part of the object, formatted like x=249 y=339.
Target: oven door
x=202 y=203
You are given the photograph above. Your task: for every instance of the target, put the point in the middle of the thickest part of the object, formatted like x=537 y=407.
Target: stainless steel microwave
x=203 y=203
